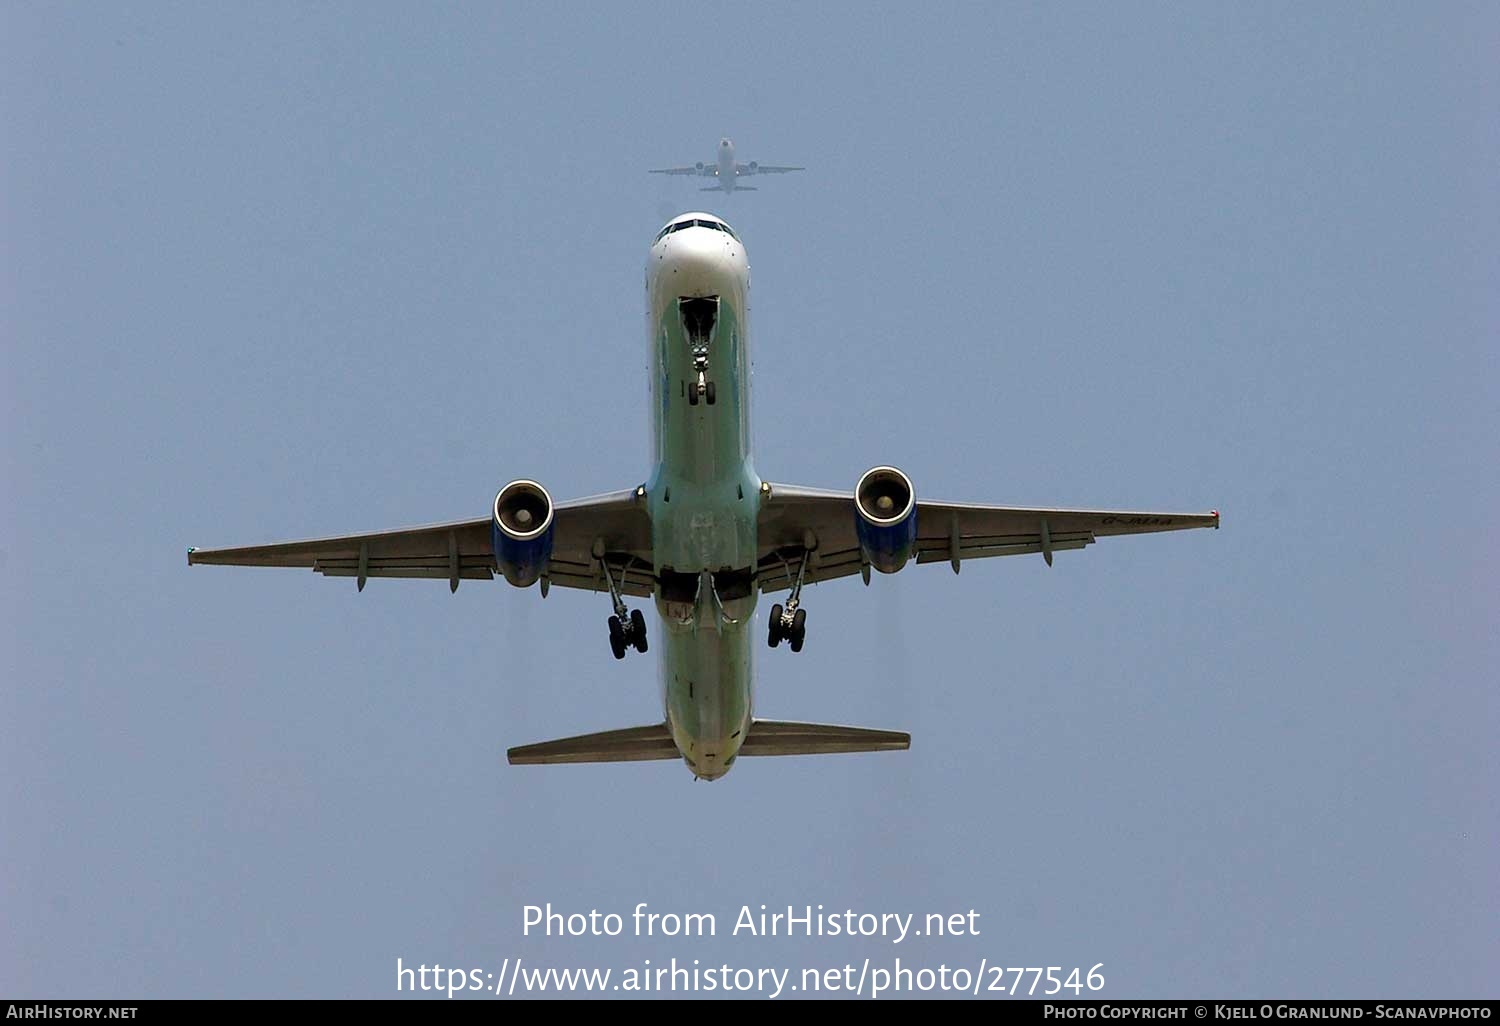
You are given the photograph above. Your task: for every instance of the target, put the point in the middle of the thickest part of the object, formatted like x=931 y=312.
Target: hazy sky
x=287 y=270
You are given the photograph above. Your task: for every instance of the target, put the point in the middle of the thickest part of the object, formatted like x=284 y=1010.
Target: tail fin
x=633 y=744
x=780 y=737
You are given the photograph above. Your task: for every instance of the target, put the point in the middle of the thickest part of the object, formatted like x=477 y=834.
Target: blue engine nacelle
x=885 y=507
x=522 y=532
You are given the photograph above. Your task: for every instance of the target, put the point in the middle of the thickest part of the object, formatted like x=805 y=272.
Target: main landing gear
x=790 y=623
x=627 y=627
x=629 y=632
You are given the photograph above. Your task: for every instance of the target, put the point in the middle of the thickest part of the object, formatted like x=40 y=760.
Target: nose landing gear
x=702 y=387
x=700 y=317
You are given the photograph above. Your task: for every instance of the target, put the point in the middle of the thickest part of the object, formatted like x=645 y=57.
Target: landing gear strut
x=701 y=387
x=627 y=627
x=790 y=623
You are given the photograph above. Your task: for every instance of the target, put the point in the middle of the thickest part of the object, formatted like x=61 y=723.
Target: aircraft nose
x=699 y=261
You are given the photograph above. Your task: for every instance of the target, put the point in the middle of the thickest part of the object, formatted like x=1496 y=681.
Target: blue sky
x=286 y=271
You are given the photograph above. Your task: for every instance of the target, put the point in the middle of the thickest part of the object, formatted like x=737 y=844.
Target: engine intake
x=885 y=505
x=521 y=529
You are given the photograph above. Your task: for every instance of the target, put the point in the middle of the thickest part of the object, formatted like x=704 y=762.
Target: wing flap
x=933 y=517
x=779 y=570
x=943 y=553
x=630 y=577
x=632 y=744
x=785 y=737
x=468 y=573
x=931 y=550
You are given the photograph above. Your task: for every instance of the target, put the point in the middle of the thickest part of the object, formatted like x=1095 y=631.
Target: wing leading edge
x=793 y=516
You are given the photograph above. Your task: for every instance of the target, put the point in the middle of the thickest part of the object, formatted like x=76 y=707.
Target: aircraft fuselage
x=703 y=494
x=726 y=165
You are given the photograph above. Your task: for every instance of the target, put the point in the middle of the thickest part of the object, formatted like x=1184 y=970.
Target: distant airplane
x=726 y=170
x=705 y=534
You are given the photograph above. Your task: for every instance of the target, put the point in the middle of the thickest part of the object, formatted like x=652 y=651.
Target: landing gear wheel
x=774 y=637
x=709 y=393
x=799 y=630
x=692 y=393
x=616 y=637
x=638 y=630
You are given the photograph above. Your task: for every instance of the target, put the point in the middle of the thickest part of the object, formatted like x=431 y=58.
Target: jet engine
x=522 y=532
x=885 y=519
x=698 y=166
x=754 y=166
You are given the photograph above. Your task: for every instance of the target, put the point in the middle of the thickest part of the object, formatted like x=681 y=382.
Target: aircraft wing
x=464 y=549
x=764 y=169
x=795 y=519
x=707 y=170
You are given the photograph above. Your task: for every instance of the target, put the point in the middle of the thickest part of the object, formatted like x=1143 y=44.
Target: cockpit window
x=694 y=223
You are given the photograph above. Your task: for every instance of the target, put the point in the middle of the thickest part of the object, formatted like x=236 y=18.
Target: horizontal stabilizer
x=765 y=737
x=737 y=188
x=633 y=744
x=780 y=737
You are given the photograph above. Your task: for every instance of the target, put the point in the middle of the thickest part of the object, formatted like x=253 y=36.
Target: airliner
x=727 y=170
x=705 y=535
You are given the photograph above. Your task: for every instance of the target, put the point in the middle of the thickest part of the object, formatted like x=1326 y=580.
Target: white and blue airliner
x=727 y=172
x=705 y=535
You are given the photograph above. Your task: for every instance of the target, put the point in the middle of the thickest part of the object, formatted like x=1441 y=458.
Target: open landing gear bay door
x=766 y=737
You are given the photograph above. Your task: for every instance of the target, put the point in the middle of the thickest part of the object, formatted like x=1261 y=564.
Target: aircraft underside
x=705 y=536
